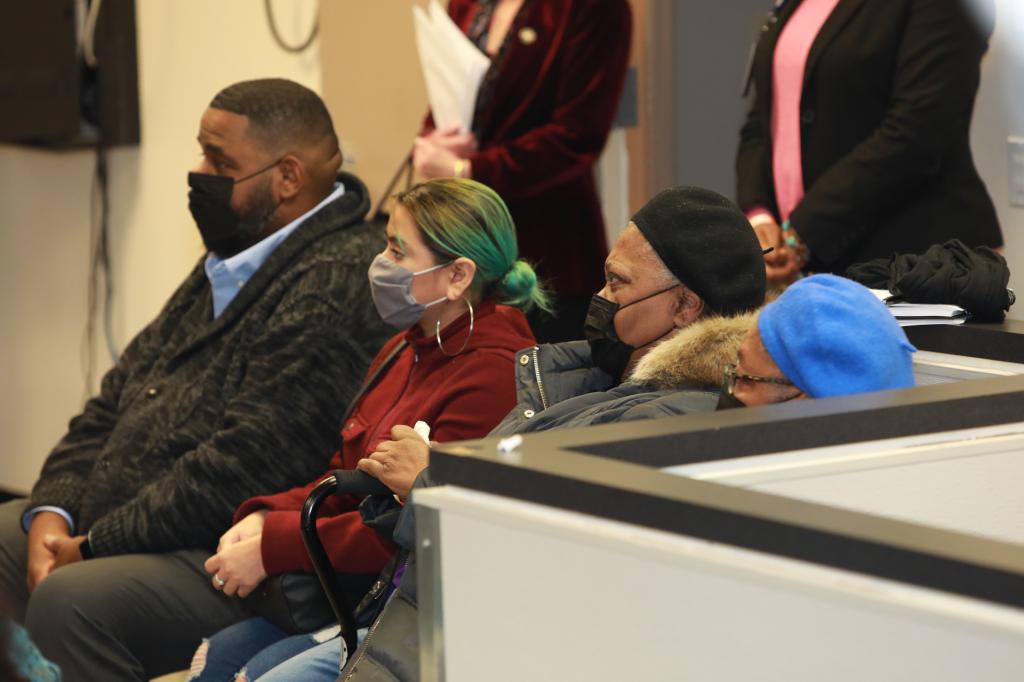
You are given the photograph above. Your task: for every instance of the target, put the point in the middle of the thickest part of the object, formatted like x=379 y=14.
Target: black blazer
x=885 y=115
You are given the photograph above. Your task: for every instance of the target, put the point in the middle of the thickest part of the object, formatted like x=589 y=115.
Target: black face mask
x=727 y=401
x=224 y=231
x=606 y=349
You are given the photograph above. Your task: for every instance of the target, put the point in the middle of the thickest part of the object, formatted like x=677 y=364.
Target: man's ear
x=461 y=271
x=292 y=177
x=689 y=307
x=335 y=161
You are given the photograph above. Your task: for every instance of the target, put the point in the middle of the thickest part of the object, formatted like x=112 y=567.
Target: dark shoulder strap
x=372 y=379
x=405 y=167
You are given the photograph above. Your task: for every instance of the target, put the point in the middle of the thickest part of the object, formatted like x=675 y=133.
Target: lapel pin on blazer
x=527 y=36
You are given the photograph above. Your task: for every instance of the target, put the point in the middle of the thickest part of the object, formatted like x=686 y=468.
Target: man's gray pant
x=129 y=617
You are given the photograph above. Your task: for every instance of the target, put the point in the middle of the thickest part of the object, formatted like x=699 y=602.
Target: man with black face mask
x=234 y=390
x=224 y=230
x=680 y=283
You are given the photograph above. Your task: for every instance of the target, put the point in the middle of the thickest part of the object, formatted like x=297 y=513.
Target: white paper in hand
x=453 y=67
x=422 y=430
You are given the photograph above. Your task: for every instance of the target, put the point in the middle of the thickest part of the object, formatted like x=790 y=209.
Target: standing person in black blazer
x=884 y=118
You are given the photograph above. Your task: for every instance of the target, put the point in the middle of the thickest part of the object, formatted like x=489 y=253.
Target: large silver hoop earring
x=437 y=332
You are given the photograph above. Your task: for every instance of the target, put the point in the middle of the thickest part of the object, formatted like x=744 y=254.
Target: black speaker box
x=48 y=95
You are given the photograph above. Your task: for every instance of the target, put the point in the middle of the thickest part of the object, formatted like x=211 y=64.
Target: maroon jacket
x=459 y=397
x=549 y=102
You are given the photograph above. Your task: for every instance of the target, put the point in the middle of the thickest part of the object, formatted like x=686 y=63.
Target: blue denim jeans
x=250 y=649
x=318 y=664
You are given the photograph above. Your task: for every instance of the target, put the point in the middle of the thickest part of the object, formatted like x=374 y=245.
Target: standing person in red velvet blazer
x=543 y=114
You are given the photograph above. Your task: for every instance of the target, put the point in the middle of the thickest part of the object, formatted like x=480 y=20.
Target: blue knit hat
x=830 y=336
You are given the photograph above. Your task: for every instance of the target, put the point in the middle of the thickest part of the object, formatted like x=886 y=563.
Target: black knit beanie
x=707 y=243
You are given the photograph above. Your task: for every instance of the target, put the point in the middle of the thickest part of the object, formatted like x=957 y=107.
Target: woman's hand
x=246 y=528
x=769 y=234
x=783 y=264
x=396 y=463
x=238 y=568
x=431 y=160
x=456 y=141
x=786 y=270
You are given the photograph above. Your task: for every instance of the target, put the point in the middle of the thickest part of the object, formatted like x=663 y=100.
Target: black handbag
x=296 y=602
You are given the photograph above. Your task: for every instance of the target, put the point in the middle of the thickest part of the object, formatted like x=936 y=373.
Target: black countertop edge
x=1003 y=341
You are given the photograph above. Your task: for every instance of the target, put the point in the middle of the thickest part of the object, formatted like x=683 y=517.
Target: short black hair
x=280 y=112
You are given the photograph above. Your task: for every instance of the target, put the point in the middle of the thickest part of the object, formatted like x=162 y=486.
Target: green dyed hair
x=464 y=218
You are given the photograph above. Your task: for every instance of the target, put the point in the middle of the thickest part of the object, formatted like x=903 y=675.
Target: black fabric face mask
x=606 y=349
x=224 y=232
x=727 y=401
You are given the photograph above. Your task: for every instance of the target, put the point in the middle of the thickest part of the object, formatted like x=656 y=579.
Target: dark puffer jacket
x=200 y=414
x=558 y=387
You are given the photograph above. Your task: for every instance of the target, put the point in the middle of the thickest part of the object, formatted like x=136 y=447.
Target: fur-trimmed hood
x=696 y=356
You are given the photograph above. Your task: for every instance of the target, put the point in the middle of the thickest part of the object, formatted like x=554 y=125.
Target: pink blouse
x=791 y=53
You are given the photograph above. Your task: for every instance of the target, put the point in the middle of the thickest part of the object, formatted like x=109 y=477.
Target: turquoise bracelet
x=786 y=237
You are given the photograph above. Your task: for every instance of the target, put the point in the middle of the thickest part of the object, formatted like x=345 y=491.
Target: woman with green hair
x=451 y=282
x=459 y=225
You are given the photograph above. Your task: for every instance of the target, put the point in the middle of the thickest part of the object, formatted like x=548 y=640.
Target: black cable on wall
x=100 y=285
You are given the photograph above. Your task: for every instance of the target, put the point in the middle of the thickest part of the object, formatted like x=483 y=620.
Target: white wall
x=188 y=50
x=998 y=115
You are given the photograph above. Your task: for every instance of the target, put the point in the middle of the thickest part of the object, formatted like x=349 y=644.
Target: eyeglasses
x=732 y=376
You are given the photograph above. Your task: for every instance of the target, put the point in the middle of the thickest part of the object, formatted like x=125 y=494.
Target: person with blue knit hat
x=825 y=336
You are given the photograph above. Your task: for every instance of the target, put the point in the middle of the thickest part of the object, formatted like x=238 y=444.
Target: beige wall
x=372 y=84
x=188 y=49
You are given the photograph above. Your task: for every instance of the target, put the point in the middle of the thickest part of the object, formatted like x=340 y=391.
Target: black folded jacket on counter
x=974 y=279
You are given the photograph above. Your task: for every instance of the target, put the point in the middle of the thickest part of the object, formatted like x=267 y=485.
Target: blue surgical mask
x=391 y=288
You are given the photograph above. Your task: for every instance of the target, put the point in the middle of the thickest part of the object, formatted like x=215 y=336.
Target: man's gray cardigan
x=200 y=414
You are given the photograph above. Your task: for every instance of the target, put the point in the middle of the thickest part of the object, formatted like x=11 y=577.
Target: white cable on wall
x=89 y=34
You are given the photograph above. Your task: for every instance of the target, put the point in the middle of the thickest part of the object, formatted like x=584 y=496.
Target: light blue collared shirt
x=26 y=520
x=228 y=275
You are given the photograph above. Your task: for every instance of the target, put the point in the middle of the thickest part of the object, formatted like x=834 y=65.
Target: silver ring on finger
x=217 y=579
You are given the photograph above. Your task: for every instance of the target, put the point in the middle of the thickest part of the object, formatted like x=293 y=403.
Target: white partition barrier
x=512 y=590
x=968 y=481
x=939 y=368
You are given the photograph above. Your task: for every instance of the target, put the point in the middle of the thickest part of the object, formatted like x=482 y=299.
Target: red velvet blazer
x=547 y=112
